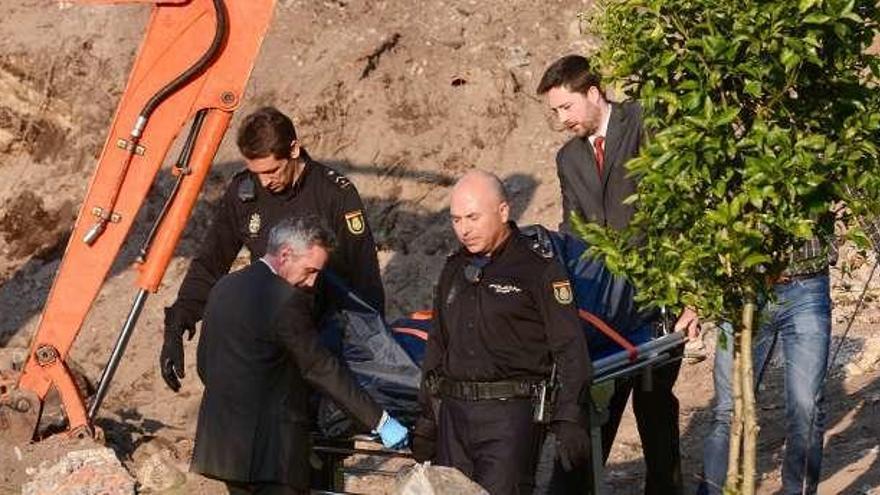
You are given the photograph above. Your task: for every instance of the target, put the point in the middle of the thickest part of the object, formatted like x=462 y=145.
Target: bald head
x=479 y=211
x=482 y=183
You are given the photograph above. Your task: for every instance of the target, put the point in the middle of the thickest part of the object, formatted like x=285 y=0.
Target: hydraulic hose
x=185 y=77
x=195 y=70
x=192 y=72
x=182 y=167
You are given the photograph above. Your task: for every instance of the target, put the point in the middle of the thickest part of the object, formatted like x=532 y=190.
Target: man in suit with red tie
x=594 y=184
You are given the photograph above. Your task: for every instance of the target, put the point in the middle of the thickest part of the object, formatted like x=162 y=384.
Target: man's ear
x=295 y=149
x=504 y=211
x=286 y=253
x=594 y=94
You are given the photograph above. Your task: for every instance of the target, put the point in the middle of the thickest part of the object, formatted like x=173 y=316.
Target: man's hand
x=690 y=323
x=424 y=440
x=423 y=448
x=171 y=362
x=572 y=444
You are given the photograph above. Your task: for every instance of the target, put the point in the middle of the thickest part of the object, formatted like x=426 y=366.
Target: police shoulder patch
x=562 y=292
x=355 y=222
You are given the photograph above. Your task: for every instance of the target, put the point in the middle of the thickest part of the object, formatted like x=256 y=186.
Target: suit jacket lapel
x=613 y=140
x=588 y=171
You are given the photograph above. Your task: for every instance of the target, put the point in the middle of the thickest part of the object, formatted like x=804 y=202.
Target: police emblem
x=254 y=224
x=355 y=222
x=562 y=292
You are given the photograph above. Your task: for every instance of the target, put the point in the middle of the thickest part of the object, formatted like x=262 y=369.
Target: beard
x=583 y=129
x=586 y=122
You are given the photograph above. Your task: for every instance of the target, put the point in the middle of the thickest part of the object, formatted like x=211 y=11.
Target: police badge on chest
x=254 y=224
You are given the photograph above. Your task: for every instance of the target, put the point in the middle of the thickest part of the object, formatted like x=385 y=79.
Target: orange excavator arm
x=193 y=66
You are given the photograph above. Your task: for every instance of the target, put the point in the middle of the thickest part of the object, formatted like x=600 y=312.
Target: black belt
x=461 y=390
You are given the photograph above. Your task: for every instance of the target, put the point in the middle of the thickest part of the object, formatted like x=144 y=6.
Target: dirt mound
x=30 y=230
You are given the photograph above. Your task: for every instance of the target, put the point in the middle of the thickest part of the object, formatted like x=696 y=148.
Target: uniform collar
x=300 y=182
x=297 y=186
x=514 y=231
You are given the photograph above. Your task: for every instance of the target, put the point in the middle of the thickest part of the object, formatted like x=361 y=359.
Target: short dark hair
x=266 y=132
x=572 y=72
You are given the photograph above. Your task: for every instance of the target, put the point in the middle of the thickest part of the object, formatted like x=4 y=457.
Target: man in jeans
x=799 y=315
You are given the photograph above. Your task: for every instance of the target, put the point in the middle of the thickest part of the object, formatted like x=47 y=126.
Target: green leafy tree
x=763 y=117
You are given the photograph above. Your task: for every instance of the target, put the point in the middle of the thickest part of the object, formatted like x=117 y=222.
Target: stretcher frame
x=632 y=361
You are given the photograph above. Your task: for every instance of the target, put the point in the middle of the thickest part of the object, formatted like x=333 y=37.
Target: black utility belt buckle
x=432 y=384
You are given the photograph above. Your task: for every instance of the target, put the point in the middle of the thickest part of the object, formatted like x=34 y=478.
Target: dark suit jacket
x=595 y=200
x=257 y=353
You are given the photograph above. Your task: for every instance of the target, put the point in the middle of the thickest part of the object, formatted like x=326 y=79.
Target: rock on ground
x=158 y=474
x=425 y=479
x=82 y=472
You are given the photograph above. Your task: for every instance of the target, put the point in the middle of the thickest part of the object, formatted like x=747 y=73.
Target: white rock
x=425 y=479
x=158 y=474
x=83 y=472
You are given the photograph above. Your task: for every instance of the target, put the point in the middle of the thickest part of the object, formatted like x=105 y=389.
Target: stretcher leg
x=596 y=465
x=600 y=398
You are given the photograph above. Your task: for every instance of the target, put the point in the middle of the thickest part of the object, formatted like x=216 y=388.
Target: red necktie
x=599 y=148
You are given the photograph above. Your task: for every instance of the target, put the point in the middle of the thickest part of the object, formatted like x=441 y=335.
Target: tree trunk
x=732 y=484
x=743 y=426
x=750 y=425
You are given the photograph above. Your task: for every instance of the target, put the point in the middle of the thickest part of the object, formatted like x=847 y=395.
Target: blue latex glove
x=393 y=434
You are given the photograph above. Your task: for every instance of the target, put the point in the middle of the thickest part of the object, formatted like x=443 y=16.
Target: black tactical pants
x=493 y=442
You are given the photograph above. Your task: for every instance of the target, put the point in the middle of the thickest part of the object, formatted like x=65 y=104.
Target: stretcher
x=623 y=342
x=651 y=354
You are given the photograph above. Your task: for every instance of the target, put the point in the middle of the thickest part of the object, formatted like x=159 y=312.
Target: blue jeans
x=800 y=318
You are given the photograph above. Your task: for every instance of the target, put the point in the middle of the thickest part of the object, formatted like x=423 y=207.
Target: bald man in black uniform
x=504 y=315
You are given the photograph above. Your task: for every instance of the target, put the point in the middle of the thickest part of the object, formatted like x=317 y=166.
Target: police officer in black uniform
x=504 y=315
x=280 y=180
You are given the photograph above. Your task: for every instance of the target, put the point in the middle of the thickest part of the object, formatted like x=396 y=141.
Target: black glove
x=423 y=448
x=572 y=444
x=171 y=358
x=424 y=440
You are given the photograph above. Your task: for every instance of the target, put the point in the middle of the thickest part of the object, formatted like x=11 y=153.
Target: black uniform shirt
x=247 y=213
x=513 y=323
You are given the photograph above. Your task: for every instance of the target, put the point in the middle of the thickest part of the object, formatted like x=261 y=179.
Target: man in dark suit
x=258 y=354
x=594 y=184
